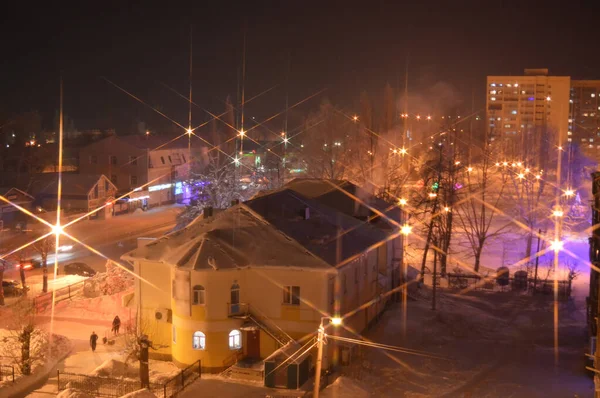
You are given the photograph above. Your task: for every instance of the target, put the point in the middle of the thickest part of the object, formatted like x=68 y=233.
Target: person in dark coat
x=116 y=324
x=93 y=340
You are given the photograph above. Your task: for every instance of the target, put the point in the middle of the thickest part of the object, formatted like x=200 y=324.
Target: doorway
x=253 y=344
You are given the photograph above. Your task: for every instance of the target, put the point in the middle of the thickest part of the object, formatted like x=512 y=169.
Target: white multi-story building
x=528 y=111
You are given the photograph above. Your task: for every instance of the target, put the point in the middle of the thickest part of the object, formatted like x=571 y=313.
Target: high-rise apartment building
x=529 y=111
x=584 y=120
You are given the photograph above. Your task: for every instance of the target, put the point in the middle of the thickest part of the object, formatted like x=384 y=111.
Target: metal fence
x=44 y=300
x=113 y=388
x=103 y=386
x=182 y=380
x=7 y=372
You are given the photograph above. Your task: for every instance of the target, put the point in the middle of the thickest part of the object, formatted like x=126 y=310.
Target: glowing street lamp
x=521 y=176
x=497 y=164
x=402 y=202
x=428 y=117
x=557 y=213
x=189 y=131
x=469 y=169
x=406 y=229
x=242 y=133
x=446 y=209
x=57 y=229
x=403 y=151
x=569 y=192
x=537 y=177
x=355 y=118
x=556 y=245
x=335 y=321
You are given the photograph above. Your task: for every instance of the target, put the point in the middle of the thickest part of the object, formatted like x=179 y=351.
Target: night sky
x=343 y=47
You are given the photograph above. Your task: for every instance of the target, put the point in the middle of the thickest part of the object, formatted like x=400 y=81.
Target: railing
x=187 y=376
x=244 y=310
x=7 y=372
x=233 y=358
x=41 y=302
x=103 y=386
x=110 y=387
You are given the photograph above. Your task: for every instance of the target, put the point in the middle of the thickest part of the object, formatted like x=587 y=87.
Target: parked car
x=12 y=288
x=30 y=264
x=80 y=269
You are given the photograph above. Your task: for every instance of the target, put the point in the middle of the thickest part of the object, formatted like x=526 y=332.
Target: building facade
x=524 y=111
x=584 y=119
x=260 y=275
x=150 y=170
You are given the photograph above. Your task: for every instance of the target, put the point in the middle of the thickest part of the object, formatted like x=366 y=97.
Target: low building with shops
x=80 y=193
x=147 y=170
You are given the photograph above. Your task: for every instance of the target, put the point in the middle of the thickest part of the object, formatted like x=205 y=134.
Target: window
x=93 y=159
x=170 y=161
x=235 y=293
x=133 y=181
x=235 y=340
x=113 y=159
x=356 y=275
x=113 y=179
x=291 y=295
x=199 y=292
x=183 y=156
x=162 y=159
x=95 y=191
x=344 y=285
x=174 y=335
x=198 y=341
x=106 y=185
x=133 y=160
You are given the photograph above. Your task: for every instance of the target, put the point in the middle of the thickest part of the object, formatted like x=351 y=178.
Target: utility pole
x=434 y=211
x=433 y=297
x=320 y=338
x=537 y=260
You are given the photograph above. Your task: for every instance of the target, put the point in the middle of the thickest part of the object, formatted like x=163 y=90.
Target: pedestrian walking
x=93 y=340
x=116 y=324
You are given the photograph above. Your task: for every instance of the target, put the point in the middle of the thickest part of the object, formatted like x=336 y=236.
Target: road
x=112 y=238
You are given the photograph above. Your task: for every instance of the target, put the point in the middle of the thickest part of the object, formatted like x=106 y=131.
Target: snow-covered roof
x=348 y=198
x=234 y=238
x=328 y=233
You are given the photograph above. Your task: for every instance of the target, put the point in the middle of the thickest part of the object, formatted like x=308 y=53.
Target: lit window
x=291 y=295
x=198 y=341
x=199 y=292
x=174 y=334
x=514 y=112
x=235 y=340
x=593 y=95
x=493 y=84
x=569 y=133
x=509 y=85
x=493 y=92
x=493 y=98
x=569 y=139
x=591 y=140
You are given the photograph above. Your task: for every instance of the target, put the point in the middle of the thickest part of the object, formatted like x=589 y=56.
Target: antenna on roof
x=190 y=111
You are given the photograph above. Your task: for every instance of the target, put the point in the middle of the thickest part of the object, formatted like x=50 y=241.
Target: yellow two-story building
x=249 y=279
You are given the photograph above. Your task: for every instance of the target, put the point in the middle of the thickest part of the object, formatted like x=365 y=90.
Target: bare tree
x=2 y=265
x=479 y=205
x=44 y=247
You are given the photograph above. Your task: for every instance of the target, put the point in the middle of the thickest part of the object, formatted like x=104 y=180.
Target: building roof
x=333 y=236
x=157 y=142
x=233 y=239
x=348 y=198
x=72 y=184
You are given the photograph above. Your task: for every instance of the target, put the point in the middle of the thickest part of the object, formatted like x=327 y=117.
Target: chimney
x=207 y=212
x=235 y=202
x=306 y=213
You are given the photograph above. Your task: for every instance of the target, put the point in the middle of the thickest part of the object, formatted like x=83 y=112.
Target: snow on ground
x=344 y=387
x=145 y=393
x=45 y=352
x=494 y=344
x=70 y=393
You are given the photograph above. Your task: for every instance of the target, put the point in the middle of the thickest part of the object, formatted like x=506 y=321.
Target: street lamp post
x=320 y=338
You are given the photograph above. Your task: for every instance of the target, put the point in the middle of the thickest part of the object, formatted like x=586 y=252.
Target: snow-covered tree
x=116 y=279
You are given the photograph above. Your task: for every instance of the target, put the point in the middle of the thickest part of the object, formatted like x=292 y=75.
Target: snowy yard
x=495 y=345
